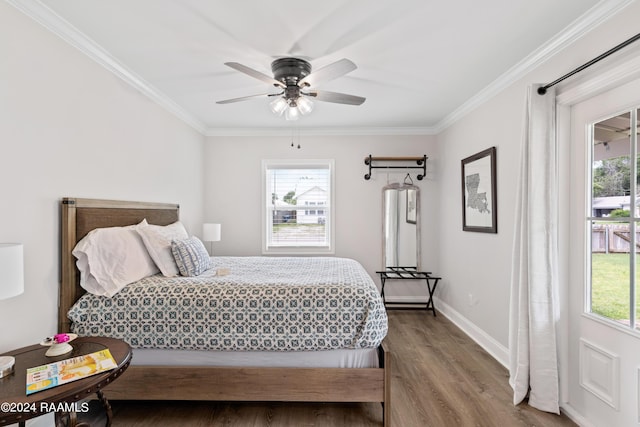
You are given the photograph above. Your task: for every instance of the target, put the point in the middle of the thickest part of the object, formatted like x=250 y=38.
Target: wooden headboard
x=79 y=217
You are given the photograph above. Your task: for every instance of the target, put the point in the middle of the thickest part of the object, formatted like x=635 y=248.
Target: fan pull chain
x=292 y=137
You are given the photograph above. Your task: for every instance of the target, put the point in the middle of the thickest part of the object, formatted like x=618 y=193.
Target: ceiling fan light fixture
x=278 y=105
x=305 y=105
x=292 y=76
x=292 y=113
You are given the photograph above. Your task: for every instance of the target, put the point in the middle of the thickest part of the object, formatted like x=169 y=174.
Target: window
x=290 y=188
x=612 y=219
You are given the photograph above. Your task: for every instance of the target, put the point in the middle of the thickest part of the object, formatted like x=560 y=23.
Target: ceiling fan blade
x=243 y=98
x=329 y=72
x=336 y=97
x=256 y=74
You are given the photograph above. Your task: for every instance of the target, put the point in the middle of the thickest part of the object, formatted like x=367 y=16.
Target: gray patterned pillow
x=191 y=256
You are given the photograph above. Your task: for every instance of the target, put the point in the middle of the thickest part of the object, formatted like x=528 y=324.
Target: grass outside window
x=610 y=286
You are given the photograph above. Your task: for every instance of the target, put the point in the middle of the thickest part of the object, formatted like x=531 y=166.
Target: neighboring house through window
x=298 y=206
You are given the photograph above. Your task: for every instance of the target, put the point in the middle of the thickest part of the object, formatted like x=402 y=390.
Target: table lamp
x=11 y=270
x=11 y=284
x=211 y=233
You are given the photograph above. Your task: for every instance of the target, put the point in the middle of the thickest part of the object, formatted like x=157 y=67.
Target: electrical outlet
x=472 y=300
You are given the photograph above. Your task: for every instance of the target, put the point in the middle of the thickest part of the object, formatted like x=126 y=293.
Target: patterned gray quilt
x=263 y=303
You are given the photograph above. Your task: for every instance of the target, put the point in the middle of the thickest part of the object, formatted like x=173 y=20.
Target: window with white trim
x=612 y=218
x=290 y=189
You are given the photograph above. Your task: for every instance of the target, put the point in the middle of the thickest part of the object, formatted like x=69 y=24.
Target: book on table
x=65 y=371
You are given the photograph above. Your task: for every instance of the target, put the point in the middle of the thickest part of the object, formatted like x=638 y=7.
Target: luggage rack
x=410 y=273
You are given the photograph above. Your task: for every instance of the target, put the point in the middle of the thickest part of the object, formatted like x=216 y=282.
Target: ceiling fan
x=294 y=78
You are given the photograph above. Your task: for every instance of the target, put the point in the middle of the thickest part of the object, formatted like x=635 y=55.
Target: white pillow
x=157 y=239
x=111 y=258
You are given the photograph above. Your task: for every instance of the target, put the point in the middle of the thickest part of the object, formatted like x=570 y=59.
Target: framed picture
x=479 y=206
x=411 y=206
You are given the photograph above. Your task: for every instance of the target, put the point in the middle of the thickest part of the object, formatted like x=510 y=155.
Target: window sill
x=634 y=332
x=298 y=251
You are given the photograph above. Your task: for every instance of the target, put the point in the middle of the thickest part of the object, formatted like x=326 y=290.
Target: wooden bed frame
x=79 y=216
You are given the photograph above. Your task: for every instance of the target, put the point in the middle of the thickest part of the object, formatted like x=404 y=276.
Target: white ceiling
x=421 y=63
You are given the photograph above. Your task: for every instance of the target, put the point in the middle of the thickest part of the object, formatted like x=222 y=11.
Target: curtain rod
x=542 y=90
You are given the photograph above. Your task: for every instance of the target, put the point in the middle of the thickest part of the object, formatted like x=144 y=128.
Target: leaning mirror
x=401 y=226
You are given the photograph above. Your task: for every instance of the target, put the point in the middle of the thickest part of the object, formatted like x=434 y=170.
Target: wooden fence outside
x=612 y=238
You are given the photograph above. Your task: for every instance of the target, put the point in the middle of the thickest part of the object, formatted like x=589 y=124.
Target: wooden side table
x=17 y=407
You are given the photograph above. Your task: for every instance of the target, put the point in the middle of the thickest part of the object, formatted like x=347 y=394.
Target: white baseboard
x=484 y=340
x=410 y=300
x=421 y=299
x=574 y=416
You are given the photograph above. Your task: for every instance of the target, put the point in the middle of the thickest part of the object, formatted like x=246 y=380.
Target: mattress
x=258 y=304
x=342 y=358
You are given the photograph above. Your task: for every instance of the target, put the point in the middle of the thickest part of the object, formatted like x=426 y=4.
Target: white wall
x=478 y=264
x=70 y=128
x=232 y=192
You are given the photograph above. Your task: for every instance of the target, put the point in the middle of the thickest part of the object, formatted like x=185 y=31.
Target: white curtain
x=534 y=278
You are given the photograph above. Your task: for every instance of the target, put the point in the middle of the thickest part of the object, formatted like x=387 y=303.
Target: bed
x=190 y=379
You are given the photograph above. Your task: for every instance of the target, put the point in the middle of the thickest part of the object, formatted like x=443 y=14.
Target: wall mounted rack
x=421 y=163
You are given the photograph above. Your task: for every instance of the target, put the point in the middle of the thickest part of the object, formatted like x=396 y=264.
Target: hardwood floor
x=440 y=378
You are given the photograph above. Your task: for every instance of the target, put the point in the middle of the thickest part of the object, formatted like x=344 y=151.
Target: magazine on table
x=65 y=371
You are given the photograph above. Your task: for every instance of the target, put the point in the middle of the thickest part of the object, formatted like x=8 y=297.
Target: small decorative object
x=222 y=272
x=58 y=344
x=6 y=365
x=479 y=206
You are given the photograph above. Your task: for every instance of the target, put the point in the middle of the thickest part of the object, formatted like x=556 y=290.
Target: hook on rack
x=408 y=180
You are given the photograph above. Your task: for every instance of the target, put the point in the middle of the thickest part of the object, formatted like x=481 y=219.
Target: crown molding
x=599 y=82
x=70 y=34
x=595 y=16
x=581 y=26
x=329 y=131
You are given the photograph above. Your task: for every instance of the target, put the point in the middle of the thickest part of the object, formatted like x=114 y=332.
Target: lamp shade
x=278 y=105
x=304 y=105
x=211 y=232
x=11 y=270
x=292 y=113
